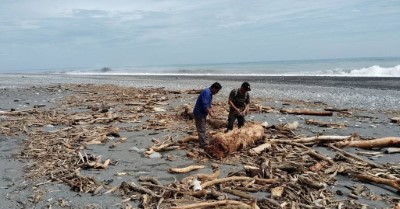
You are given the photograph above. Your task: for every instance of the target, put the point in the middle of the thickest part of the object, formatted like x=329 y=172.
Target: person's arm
x=210 y=111
x=206 y=100
x=247 y=108
x=230 y=102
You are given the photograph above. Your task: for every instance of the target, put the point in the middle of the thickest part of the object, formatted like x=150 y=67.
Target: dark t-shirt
x=238 y=99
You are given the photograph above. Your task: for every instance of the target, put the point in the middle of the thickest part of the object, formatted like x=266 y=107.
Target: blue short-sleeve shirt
x=203 y=103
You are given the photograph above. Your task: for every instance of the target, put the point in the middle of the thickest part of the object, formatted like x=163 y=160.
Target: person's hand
x=211 y=113
x=238 y=112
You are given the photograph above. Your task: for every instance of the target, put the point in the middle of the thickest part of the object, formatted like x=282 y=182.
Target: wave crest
x=373 y=71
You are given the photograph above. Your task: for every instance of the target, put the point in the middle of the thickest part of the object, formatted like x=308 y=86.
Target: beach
x=367 y=104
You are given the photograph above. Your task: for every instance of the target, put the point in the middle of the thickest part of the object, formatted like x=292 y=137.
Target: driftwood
x=355 y=157
x=251 y=171
x=127 y=187
x=336 y=109
x=238 y=178
x=374 y=143
x=239 y=193
x=232 y=203
x=313 y=153
x=216 y=123
x=395 y=183
x=325 y=124
x=186 y=169
x=90 y=113
x=307 y=112
x=223 y=144
x=257 y=150
x=315 y=139
x=392 y=150
x=395 y=120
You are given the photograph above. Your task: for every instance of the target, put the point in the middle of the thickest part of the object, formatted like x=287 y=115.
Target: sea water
x=353 y=67
x=371 y=83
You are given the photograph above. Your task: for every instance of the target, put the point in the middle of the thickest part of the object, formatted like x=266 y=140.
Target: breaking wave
x=373 y=71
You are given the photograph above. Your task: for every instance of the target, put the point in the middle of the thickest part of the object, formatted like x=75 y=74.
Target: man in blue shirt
x=203 y=108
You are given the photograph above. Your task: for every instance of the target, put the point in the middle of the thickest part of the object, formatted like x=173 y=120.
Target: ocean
x=352 y=67
x=368 y=83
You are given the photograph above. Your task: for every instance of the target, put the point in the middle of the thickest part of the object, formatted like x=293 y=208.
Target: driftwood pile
x=276 y=168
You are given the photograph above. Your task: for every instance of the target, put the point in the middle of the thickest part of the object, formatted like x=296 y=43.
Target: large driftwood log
x=307 y=112
x=395 y=183
x=222 y=144
x=315 y=139
x=374 y=143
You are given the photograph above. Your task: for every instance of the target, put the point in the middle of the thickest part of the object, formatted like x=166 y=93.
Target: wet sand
x=371 y=106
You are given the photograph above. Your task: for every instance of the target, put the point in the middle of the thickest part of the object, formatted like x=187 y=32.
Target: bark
x=395 y=183
x=257 y=150
x=315 y=139
x=215 y=204
x=222 y=144
x=325 y=124
x=374 y=143
x=356 y=157
x=307 y=112
x=216 y=123
x=237 y=178
x=186 y=169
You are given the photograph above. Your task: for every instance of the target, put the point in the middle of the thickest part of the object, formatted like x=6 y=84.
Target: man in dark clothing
x=203 y=108
x=239 y=101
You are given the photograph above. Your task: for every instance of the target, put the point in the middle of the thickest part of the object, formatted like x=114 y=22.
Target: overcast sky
x=45 y=34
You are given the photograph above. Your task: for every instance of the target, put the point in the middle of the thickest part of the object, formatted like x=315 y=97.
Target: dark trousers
x=201 y=130
x=231 y=119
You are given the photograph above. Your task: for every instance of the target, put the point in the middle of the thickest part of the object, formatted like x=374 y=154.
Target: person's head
x=215 y=87
x=245 y=87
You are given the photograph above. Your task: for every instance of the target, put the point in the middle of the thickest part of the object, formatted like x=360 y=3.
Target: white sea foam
x=373 y=71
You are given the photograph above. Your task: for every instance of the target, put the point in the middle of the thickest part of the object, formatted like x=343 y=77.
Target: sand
x=372 y=105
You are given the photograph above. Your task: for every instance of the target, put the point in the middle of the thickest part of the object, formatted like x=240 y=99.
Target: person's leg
x=241 y=121
x=201 y=131
x=231 y=120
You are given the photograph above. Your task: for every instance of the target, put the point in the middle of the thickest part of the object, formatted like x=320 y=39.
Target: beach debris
x=373 y=143
x=394 y=183
x=306 y=112
x=395 y=120
x=291 y=126
x=186 y=169
x=216 y=123
x=257 y=150
x=333 y=109
x=222 y=144
x=325 y=124
x=392 y=150
x=278 y=160
x=224 y=203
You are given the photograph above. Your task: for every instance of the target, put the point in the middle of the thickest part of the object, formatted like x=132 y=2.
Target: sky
x=54 y=34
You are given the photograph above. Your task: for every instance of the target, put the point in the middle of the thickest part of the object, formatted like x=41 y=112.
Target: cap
x=246 y=86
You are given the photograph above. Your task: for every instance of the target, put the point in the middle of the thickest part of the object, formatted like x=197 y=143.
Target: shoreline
x=365 y=93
